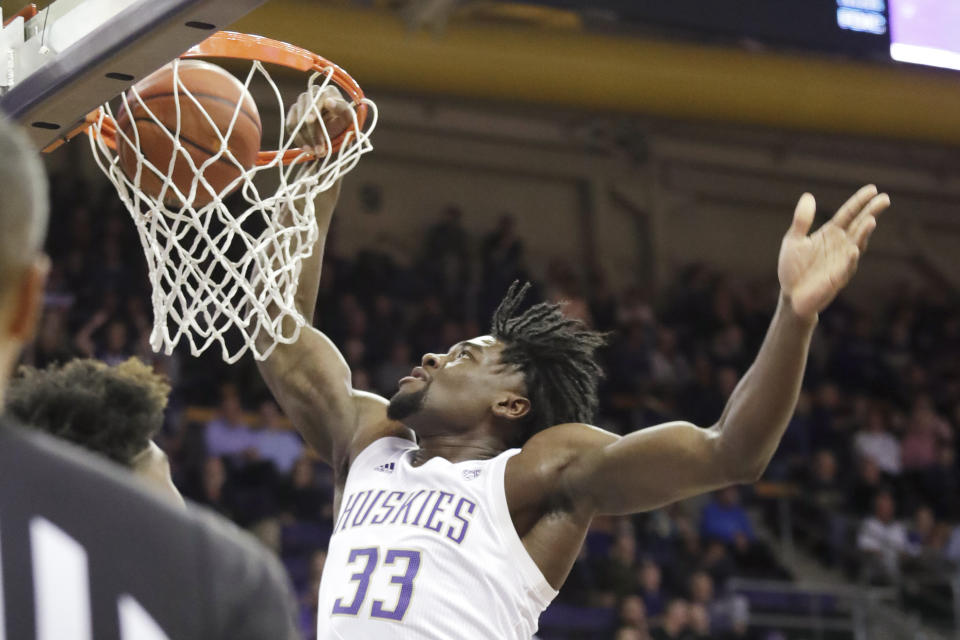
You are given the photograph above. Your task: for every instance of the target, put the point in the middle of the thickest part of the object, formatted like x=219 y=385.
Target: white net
x=226 y=272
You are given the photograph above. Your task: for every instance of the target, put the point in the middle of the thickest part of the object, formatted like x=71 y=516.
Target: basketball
x=217 y=94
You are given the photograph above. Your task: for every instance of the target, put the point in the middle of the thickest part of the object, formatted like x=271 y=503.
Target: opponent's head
x=114 y=411
x=23 y=226
x=535 y=369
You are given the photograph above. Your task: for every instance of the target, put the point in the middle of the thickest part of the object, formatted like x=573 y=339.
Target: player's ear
x=511 y=406
x=29 y=300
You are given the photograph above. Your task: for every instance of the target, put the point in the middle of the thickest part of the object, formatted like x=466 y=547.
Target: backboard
x=63 y=61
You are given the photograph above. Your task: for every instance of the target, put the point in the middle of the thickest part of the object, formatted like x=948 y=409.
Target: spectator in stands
x=501 y=262
x=864 y=489
x=717 y=561
x=360 y=379
x=728 y=347
x=215 y=493
x=740 y=624
x=302 y=497
x=669 y=370
x=676 y=621
x=615 y=575
x=820 y=507
x=875 y=443
x=952 y=549
x=882 y=541
x=53 y=344
x=389 y=372
x=927 y=432
x=921 y=531
x=651 y=589
x=701 y=592
x=228 y=435
x=602 y=300
x=725 y=519
x=113 y=346
x=445 y=260
x=721 y=611
x=701 y=398
x=629 y=633
x=941 y=485
x=699 y=623
x=928 y=542
x=633 y=613
x=274 y=441
x=427 y=325
x=826 y=431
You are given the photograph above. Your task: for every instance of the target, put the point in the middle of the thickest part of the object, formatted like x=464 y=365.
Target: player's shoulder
x=534 y=476
x=372 y=425
x=558 y=444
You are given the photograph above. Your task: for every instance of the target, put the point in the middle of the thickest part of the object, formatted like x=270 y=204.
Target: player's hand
x=814 y=268
x=327 y=106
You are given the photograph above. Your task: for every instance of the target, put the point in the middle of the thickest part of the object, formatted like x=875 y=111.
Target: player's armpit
x=594 y=471
x=312 y=383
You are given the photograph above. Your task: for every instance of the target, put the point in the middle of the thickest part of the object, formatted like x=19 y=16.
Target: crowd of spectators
x=872 y=445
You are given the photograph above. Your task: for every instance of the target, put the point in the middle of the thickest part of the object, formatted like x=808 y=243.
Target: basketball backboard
x=61 y=62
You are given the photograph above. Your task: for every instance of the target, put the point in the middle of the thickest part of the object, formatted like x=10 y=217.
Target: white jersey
x=427 y=552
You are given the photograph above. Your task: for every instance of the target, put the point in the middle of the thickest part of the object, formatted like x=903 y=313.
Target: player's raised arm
x=310 y=378
x=653 y=467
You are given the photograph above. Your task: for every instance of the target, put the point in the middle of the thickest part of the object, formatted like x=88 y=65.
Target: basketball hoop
x=213 y=270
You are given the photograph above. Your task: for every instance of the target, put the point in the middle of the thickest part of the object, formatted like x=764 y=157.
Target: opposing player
x=83 y=553
x=115 y=411
x=445 y=531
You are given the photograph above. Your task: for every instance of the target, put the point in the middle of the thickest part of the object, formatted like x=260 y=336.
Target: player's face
x=456 y=389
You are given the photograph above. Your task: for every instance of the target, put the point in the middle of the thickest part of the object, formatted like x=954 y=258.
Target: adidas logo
x=471 y=474
x=385 y=468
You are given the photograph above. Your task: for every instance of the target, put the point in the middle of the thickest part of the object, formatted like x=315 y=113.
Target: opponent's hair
x=556 y=356
x=114 y=411
x=23 y=207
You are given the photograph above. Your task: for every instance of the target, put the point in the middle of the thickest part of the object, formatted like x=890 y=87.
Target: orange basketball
x=218 y=93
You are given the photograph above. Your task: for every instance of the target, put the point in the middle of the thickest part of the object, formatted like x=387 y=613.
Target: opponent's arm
x=650 y=468
x=309 y=378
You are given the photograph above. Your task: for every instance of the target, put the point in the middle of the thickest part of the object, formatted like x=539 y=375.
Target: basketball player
x=83 y=554
x=112 y=410
x=463 y=501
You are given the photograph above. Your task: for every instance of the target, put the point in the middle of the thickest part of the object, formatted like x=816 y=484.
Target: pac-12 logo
x=471 y=474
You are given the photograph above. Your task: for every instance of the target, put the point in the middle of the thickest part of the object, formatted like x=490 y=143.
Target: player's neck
x=457 y=448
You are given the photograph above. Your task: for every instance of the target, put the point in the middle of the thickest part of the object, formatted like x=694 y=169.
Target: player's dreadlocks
x=555 y=355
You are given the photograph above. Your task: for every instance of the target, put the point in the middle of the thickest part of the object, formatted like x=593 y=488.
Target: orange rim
x=26 y=13
x=242 y=46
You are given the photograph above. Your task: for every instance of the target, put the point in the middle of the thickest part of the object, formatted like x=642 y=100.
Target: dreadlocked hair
x=556 y=356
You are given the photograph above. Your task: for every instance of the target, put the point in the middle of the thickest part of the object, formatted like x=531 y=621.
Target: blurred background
x=641 y=161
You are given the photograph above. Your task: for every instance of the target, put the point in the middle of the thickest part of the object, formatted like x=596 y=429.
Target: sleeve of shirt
x=250 y=595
